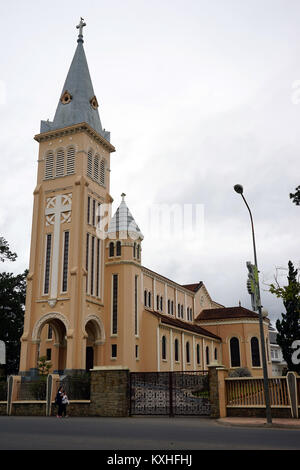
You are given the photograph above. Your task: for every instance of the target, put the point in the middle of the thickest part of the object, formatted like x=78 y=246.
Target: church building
x=90 y=301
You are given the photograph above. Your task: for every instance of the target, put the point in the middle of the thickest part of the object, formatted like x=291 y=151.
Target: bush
x=240 y=372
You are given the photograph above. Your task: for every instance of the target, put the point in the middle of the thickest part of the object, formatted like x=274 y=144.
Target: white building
x=278 y=363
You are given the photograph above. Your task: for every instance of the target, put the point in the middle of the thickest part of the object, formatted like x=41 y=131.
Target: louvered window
x=102 y=172
x=136 y=305
x=65 y=262
x=49 y=165
x=47 y=264
x=96 y=168
x=98 y=269
x=90 y=164
x=60 y=163
x=115 y=304
x=92 y=265
x=87 y=251
x=71 y=161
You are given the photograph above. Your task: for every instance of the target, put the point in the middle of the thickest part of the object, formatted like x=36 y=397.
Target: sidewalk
x=260 y=422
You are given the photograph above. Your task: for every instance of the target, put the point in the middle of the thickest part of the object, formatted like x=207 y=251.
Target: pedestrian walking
x=65 y=402
x=58 y=402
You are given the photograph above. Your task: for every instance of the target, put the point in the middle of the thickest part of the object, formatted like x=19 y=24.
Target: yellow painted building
x=90 y=301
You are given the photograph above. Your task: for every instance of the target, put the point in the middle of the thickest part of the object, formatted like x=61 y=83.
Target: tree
x=296 y=196
x=289 y=326
x=12 y=306
x=44 y=366
x=5 y=253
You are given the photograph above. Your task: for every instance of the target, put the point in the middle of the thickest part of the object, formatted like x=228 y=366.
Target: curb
x=257 y=425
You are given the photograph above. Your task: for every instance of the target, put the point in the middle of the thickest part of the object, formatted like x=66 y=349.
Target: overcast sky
x=198 y=96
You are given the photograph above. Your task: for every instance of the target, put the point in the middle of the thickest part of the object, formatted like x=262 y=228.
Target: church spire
x=78 y=102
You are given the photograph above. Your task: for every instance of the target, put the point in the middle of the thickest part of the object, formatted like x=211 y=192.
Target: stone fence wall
x=110 y=396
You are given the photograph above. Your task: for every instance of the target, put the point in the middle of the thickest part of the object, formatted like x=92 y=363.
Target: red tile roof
x=193 y=287
x=226 y=313
x=169 y=320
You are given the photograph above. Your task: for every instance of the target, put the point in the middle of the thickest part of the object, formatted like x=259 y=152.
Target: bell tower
x=64 y=315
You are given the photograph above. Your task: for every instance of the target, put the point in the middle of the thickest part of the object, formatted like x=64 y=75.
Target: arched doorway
x=89 y=358
x=50 y=333
x=94 y=333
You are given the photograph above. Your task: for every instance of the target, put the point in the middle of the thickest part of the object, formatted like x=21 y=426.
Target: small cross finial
x=123 y=196
x=80 y=26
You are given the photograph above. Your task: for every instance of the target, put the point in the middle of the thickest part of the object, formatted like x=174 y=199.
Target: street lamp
x=239 y=189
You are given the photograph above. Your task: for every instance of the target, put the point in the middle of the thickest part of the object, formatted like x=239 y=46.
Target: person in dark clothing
x=58 y=401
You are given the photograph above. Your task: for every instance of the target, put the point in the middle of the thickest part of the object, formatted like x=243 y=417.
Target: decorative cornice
x=82 y=127
x=167 y=281
x=112 y=263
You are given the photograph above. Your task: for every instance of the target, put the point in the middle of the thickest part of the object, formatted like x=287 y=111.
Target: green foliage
x=289 y=327
x=240 y=372
x=12 y=306
x=5 y=253
x=44 y=366
x=296 y=196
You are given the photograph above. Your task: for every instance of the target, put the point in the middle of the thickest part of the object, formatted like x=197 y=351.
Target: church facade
x=90 y=301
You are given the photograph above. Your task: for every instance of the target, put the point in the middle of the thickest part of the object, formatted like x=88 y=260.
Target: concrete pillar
x=217 y=392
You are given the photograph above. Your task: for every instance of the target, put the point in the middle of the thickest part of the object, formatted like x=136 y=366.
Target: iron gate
x=169 y=393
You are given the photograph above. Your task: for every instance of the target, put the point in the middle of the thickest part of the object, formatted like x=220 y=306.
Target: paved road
x=158 y=433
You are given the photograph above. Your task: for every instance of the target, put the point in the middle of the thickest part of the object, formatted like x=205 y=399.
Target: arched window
x=111 y=249
x=169 y=304
x=235 y=352
x=118 y=250
x=164 y=347
x=216 y=354
x=145 y=298
x=49 y=165
x=176 y=345
x=157 y=302
x=149 y=299
x=255 y=352
x=172 y=307
x=102 y=172
x=187 y=347
x=181 y=311
x=207 y=355
x=60 y=163
x=161 y=304
x=90 y=164
x=96 y=167
x=198 y=353
x=134 y=250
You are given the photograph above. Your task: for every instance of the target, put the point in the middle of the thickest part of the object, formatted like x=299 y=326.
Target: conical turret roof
x=124 y=222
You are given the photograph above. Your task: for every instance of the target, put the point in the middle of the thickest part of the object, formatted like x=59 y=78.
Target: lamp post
x=239 y=189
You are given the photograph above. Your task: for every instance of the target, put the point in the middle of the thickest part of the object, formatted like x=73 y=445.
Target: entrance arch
x=52 y=342
x=95 y=337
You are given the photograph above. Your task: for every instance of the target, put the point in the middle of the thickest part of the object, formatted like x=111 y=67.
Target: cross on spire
x=80 y=26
